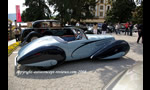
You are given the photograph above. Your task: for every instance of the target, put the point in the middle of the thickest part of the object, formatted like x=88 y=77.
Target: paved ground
x=76 y=75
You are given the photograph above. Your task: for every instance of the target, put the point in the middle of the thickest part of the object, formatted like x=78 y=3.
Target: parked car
x=42 y=28
x=90 y=29
x=39 y=28
x=49 y=51
x=122 y=27
x=110 y=28
x=129 y=79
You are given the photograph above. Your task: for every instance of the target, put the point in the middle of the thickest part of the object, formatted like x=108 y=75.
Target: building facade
x=100 y=11
x=101 y=8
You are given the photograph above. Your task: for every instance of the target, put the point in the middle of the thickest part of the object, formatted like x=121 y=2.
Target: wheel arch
x=116 y=47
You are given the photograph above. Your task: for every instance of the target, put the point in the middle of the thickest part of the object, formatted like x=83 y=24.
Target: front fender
x=113 y=50
x=41 y=54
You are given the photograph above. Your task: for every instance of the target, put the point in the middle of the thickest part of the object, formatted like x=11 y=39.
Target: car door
x=79 y=49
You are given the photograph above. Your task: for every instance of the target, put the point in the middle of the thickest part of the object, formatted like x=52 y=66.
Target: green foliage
x=37 y=9
x=73 y=9
x=138 y=14
x=121 y=11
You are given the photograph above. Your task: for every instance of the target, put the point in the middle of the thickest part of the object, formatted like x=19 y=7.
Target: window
x=101 y=1
x=109 y=1
x=101 y=14
x=108 y=8
x=101 y=7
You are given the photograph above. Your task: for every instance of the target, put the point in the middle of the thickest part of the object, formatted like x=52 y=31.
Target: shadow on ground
x=136 y=48
x=105 y=69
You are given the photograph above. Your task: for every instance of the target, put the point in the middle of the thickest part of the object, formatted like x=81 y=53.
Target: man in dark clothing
x=131 y=28
x=104 y=28
x=140 y=32
x=17 y=34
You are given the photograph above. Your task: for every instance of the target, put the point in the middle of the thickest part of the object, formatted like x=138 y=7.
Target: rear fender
x=113 y=50
x=32 y=34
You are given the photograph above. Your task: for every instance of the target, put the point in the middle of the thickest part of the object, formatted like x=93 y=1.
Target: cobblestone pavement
x=75 y=75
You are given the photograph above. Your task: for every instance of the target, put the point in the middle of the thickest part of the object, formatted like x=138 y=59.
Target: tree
x=37 y=9
x=121 y=11
x=73 y=9
x=138 y=14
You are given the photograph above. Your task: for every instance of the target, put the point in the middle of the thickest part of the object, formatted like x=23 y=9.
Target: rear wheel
x=33 y=38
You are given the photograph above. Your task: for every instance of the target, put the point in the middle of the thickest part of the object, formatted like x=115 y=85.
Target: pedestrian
x=19 y=28
x=95 y=28
x=104 y=28
x=17 y=34
x=67 y=24
x=131 y=28
x=140 y=32
x=117 y=27
x=78 y=23
x=126 y=28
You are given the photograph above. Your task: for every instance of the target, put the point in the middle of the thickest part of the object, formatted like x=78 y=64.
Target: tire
x=33 y=38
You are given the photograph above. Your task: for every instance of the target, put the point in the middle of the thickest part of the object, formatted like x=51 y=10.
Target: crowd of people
x=128 y=30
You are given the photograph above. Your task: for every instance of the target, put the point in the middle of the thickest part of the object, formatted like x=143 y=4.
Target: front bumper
x=16 y=61
x=15 y=66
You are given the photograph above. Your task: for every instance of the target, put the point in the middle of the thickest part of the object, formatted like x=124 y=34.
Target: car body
x=129 y=79
x=110 y=28
x=122 y=28
x=42 y=28
x=90 y=29
x=53 y=50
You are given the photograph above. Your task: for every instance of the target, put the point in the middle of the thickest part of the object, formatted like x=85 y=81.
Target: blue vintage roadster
x=50 y=51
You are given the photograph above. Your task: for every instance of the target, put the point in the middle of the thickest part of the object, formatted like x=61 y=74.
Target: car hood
x=98 y=37
x=43 y=41
x=131 y=79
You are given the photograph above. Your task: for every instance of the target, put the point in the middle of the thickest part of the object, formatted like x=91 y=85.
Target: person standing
x=67 y=24
x=126 y=28
x=104 y=28
x=117 y=27
x=17 y=34
x=95 y=28
x=131 y=28
x=140 y=32
x=78 y=24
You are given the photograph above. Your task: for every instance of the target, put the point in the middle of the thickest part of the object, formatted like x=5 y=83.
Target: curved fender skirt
x=46 y=63
x=118 y=55
x=115 y=49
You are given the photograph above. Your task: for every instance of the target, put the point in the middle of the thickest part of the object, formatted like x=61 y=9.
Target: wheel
x=33 y=38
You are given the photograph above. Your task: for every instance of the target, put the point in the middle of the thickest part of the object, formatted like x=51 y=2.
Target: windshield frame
x=79 y=32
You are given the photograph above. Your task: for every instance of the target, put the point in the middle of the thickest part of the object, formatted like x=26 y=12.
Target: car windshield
x=79 y=33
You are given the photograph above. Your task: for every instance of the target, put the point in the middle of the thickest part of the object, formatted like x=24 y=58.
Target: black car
x=42 y=28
